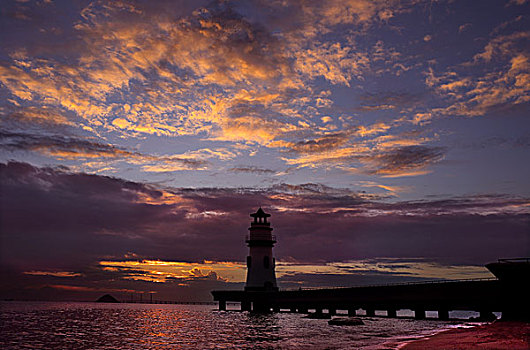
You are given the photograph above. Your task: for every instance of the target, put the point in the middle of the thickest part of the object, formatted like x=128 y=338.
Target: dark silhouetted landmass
x=107 y=298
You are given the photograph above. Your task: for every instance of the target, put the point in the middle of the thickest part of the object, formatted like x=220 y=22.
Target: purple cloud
x=56 y=220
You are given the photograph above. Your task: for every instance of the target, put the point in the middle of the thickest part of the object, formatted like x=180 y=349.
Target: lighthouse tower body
x=260 y=261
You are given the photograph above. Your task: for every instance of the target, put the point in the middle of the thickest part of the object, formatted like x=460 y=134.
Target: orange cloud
x=411 y=268
x=53 y=273
x=337 y=64
x=475 y=96
x=164 y=271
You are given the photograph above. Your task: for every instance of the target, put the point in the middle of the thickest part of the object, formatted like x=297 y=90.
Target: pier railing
x=397 y=284
x=527 y=260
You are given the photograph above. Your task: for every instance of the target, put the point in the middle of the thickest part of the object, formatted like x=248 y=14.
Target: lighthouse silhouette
x=260 y=261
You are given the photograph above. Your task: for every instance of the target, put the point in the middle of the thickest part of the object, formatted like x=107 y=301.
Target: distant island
x=107 y=298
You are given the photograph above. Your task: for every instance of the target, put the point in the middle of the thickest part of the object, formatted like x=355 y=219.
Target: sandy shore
x=496 y=335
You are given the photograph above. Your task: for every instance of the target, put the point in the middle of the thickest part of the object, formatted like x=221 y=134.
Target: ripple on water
x=31 y=325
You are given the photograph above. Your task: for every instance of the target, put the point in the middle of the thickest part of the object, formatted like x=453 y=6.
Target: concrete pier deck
x=484 y=296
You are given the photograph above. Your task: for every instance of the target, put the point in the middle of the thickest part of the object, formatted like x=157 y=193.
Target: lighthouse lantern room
x=260 y=262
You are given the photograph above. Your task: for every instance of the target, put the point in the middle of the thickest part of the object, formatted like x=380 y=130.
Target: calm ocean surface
x=47 y=325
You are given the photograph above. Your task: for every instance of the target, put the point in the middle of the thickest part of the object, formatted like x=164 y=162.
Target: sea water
x=61 y=325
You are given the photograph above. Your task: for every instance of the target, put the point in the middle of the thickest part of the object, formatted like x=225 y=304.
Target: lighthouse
x=260 y=262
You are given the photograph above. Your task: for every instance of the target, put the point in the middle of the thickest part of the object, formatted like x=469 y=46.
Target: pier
x=484 y=296
x=508 y=293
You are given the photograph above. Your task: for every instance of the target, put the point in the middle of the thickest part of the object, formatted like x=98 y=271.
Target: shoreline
x=511 y=335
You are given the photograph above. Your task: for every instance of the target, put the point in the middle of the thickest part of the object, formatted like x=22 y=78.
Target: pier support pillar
x=419 y=314
x=261 y=307
x=391 y=313
x=246 y=305
x=292 y=309
x=370 y=312
x=487 y=315
x=222 y=305
x=443 y=315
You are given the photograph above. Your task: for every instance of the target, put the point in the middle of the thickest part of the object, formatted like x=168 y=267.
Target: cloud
x=215 y=72
x=404 y=161
x=337 y=64
x=389 y=100
x=53 y=273
x=252 y=170
x=80 y=220
x=129 y=73
x=390 y=189
x=464 y=27
x=163 y=271
x=502 y=46
x=365 y=149
x=362 y=13
x=70 y=147
x=372 y=271
x=374 y=129
x=328 y=88
x=327 y=142
x=59 y=146
x=199 y=69
x=41 y=116
x=504 y=86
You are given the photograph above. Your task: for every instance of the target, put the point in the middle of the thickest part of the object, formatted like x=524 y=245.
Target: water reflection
x=262 y=328
x=137 y=326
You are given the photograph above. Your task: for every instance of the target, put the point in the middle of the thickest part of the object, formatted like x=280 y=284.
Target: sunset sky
x=388 y=139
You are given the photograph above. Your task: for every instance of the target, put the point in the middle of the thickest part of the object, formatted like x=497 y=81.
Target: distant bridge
x=170 y=302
